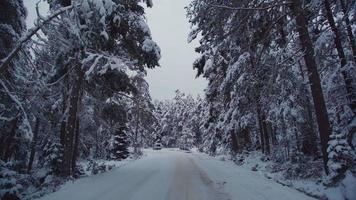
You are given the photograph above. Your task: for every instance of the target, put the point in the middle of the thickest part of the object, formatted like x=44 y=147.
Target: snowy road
x=174 y=175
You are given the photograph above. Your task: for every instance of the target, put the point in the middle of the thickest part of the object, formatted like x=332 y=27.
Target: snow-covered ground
x=311 y=185
x=175 y=175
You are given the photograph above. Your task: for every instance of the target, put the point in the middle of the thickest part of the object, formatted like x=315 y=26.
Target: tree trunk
x=9 y=141
x=137 y=126
x=247 y=138
x=266 y=135
x=260 y=124
x=234 y=142
x=33 y=145
x=65 y=90
x=342 y=57
x=76 y=144
x=310 y=146
x=352 y=40
x=297 y=144
x=62 y=133
x=71 y=122
x=314 y=78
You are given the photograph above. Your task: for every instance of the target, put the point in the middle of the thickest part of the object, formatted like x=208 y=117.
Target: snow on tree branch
x=249 y=8
x=31 y=32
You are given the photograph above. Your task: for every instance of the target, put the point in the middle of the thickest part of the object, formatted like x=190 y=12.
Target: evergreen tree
x=51 y=158
x=9 y=188
x=120 y=145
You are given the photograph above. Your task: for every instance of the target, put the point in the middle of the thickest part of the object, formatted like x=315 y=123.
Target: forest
x=281 y=85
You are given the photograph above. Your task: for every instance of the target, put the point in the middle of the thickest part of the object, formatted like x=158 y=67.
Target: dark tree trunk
x=234 y=142
x=341 y=54
x=76 y=144
x=62 y=133
x=10 y=141
x=260 y=124
x=297 y=141
x=71 y=122
x=137 y=125
x=266 y=135
x=246 y=135
x=314 y=78
x=273 y=135
x=33 y=145
x=351 y=36
x=310 y=146
x=65 y=90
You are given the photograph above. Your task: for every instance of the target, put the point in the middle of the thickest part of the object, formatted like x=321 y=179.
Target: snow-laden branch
x=31 y=32
x=19 y=106
x=249 y=8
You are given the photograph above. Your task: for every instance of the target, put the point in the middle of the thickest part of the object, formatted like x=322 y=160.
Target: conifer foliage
x=120 y=145
x=281 y=82
x=281 y=79
x=69 y=86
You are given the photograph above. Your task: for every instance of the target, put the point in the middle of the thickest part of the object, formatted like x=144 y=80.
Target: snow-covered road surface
x=175 y=175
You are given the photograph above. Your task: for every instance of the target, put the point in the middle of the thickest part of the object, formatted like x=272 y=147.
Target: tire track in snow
x=191 y=182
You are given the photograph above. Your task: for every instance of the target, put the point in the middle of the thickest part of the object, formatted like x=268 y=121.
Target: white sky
x=170 y=29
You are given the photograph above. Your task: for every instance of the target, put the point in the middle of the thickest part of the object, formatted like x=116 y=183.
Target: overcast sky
x=169 y=28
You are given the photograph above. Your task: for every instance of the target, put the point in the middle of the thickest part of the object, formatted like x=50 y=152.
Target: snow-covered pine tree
x=179 y=121
x=120 y=144
x=51 y=156
x=115 y=116
x=341 y=156
x=9 y=188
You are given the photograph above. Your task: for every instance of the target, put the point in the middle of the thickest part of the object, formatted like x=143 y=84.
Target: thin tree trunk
x=234 y=142
x=266 y=135
x=297 y=141
x=260 y=124
x=76 y=144
x=314 y=78
x=63 y=125
x=341 y=54
x=33 y=145
x=247 y=138
x=137 y=126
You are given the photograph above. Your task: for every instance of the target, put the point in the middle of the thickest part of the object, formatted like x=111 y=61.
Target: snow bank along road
x=175 y=175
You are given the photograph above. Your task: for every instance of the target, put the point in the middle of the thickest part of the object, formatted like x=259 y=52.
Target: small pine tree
x=52 y=157
x=120 y=147
x=9 y=189
x=340 y=154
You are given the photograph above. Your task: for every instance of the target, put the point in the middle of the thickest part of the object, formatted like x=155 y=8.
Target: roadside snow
x=313 y=186
x=242 y=183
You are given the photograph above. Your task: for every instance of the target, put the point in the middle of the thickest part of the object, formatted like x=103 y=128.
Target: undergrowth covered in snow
x=40 y=182
x=304 y=176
